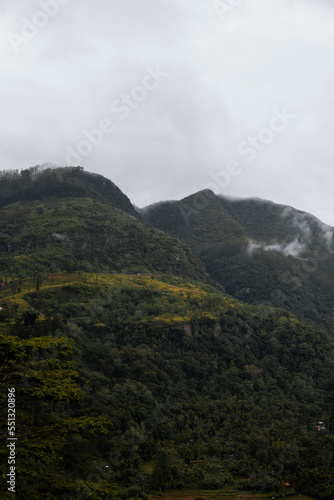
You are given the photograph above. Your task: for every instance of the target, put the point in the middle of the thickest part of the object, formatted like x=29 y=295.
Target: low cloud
x=294 y=248
x=310 y=230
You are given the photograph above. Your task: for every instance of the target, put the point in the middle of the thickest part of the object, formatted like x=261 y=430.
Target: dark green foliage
x=225 y=399
x=67 y=182
x=224 y=234
x=215 y=475
x=83 y=234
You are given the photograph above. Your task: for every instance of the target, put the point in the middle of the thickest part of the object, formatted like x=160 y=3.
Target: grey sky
x=180 y=89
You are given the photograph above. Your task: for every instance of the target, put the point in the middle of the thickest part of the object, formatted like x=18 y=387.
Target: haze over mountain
x=261 y=252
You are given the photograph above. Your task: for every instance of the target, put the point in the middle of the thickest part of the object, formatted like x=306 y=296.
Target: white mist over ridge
x=309 y=231
x=236 y=199
x=38 y=169
x=310 y=228
x=45 y=166
x=295 y=248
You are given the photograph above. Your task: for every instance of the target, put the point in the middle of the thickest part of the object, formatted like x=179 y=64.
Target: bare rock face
x=188 y=331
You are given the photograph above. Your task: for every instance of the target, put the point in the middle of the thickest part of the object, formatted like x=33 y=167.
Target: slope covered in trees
x=133 y=372
x=38 y=183
x=261 y=252
x=70 y=233
x=178 y=386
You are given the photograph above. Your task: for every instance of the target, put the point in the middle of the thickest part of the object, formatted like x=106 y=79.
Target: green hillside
x=37 y=183
x=173 y=385
x=134 y=373
x=259 y=251
x=82 y=234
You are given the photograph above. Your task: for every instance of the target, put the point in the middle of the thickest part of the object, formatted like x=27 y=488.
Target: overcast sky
x=168 y=97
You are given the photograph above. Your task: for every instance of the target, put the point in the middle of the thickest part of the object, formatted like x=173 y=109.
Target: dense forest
x=38 y=183
x=83 y=234
x=134 y=377
x=259 y=251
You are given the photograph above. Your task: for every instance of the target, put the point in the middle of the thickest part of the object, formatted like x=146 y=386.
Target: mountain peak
x=49 y=180
x=282 y=256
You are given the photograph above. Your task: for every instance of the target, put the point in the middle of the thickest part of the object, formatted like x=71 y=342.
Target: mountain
x=43 y=182
x=132 y=370
x=67 y=219
x=261 y=252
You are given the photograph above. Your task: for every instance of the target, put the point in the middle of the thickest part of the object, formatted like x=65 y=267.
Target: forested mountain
x=261 y=252
x=82 y=228
x=135 y=374
x=42 y=183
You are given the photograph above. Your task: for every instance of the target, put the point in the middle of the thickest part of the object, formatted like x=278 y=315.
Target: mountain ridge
x=257 y=250
x=43 y=182
x=65 y=219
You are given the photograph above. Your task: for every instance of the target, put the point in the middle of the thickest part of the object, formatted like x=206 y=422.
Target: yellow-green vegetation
x=182 y=301
x=40 y=374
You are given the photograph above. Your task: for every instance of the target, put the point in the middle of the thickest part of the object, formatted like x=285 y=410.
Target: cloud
x=310 y=230
x=307 y=231
x=226 y=76
x=294 y=248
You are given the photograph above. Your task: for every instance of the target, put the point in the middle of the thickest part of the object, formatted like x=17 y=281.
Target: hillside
x=43 y=183
x=70 y=232
x=174 y=385
x=261 y=252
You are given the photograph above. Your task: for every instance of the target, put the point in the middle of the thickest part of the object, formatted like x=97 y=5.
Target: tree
x=169 y=468
x=41 y=375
